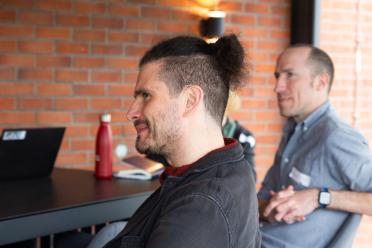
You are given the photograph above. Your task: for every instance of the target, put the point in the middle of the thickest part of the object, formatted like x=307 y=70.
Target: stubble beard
x=162 y=135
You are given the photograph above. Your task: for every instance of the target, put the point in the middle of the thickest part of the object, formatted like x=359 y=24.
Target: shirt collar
x=312 y=118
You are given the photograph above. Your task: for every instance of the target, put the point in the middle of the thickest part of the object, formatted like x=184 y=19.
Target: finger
x=284 y=212
x=290 y=217
x=286 y=192
x=287 y=207
x=272 y=205
x=300 y=218
x=290 y=187
x=279 y=216
x=289 y=221
x=272 y=193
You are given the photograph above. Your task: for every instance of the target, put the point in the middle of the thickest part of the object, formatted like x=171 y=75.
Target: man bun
x=229 y=54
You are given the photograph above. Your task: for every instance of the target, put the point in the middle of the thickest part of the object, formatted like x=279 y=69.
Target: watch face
x=324 y=198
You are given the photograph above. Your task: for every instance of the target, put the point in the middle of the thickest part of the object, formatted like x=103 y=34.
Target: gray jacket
x=213 y=204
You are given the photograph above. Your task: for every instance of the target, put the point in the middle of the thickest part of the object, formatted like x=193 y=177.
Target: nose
x=134 y=112
x=280 y=84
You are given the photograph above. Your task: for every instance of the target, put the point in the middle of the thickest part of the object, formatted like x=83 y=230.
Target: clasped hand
x=290 y=206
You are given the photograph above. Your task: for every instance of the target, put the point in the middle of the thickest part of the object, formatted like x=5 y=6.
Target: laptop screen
x=29 y=152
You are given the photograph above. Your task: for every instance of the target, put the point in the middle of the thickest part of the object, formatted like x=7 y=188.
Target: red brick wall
x=62 y=63
x=345 y=25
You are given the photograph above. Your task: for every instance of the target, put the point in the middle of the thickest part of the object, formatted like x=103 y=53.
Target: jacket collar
x=232 y=151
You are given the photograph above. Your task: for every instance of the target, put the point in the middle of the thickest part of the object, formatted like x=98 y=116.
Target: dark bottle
x=103 y=168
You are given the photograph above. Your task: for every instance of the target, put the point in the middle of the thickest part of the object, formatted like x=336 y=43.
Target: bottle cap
x=106 y=118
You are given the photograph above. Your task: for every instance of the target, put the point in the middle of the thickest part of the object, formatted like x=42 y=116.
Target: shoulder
x=201 y=192
x=223 y=185
x=338 y=132
x=346 y=148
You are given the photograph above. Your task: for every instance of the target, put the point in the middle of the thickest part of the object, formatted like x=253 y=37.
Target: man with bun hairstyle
x=207 y=196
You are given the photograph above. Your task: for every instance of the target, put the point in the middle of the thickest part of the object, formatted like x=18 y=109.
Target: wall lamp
x=212 y=27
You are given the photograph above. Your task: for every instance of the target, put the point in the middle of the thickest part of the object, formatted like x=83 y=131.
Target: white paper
x=300 y=177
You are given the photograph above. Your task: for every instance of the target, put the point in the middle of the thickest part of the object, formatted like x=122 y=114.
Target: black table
x=69 y=199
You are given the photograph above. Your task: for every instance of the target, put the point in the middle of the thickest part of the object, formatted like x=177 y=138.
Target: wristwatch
x=324 y=198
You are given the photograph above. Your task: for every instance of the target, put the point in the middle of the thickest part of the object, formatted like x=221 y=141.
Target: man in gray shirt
x=323 y=167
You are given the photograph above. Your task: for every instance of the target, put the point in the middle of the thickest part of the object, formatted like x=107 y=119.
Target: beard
x=162 y=134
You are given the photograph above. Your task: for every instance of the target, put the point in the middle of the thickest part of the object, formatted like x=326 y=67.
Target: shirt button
x=305 y=129
x=286 y=160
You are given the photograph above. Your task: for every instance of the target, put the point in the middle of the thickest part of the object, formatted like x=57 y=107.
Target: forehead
x=149 y=78
x=294 y=57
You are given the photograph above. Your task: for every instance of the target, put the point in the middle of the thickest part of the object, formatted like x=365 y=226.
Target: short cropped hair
x=320 y=60
x=216 y=68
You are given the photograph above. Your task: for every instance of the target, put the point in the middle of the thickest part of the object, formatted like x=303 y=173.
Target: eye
x=145 y=95
x=289 y=74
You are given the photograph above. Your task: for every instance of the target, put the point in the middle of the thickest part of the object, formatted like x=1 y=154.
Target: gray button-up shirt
x=322 y=152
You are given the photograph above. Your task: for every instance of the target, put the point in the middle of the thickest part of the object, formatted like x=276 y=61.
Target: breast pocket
x=307 y=171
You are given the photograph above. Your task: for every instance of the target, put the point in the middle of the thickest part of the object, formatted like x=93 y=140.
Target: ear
x=322 y=82
x=193 y=98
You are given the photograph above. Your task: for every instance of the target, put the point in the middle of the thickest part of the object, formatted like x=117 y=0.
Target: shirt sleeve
x=192 y=221
x=353 y=159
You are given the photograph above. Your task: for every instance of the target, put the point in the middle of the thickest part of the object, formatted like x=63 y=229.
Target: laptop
x=29 y=152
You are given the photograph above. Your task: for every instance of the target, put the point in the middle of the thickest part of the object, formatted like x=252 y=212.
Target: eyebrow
x=285 y=70
x=278 y=72
x=141 y=91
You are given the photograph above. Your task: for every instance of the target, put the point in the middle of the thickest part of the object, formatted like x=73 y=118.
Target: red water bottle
x=103 y=168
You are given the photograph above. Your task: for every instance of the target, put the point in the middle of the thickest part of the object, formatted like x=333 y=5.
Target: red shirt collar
x=179 y=171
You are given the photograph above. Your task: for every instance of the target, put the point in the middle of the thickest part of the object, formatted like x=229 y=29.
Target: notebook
x=140 y=168
x=29 y=152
